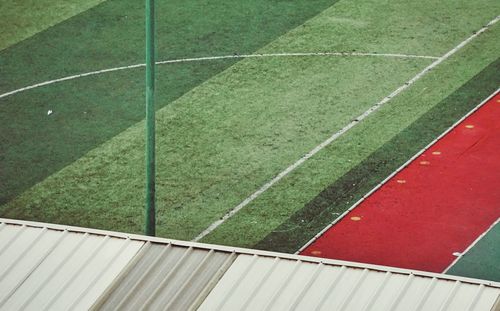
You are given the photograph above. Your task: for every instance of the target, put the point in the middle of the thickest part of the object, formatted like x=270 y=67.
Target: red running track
x=438 y=205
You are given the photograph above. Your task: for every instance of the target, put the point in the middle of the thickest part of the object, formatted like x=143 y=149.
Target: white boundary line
x=379 y=185
x=336 y=135
x=471 y=245
x=208 y=58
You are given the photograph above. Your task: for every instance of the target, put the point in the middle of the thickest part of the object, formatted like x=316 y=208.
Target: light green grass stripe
x=423 y=27
x=274 y=207
x=22 y=19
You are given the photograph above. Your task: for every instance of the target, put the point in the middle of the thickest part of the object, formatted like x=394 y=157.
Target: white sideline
x=471 y=246
x=336 y=135
x=208 y=58
x=399 y=169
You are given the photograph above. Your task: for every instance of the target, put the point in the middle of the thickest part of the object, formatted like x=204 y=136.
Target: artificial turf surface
x=291 y=194
x=89 y=111
x=336 y=198
x=215 y=144
x=225 y=138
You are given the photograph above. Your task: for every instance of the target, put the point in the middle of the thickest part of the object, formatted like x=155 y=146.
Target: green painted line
x=482 y=261
x=339 y=196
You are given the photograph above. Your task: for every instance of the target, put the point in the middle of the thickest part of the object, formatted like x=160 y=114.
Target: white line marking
x=471 y=246
x=336 y=135
x=379 y=185
x=208 y=58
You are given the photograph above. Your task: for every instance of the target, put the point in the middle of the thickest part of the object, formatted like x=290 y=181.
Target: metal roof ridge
x=248 y=251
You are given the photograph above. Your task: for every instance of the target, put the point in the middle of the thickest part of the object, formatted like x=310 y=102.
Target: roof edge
x=247 y=251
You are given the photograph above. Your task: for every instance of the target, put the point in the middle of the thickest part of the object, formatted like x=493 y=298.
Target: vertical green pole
x=150 y=119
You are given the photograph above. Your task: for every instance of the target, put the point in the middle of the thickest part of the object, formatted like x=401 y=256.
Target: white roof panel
x=267 y=283
x=45 y=269
x=54 y=267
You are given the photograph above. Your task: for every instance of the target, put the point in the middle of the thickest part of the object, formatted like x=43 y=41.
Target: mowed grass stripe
x=262 y=220
x=92 y=110
x=22 y=19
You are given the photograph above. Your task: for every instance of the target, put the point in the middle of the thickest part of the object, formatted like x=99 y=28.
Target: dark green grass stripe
x=88 y=112
x=22 y=19
x=483 y=260
x=338 y=197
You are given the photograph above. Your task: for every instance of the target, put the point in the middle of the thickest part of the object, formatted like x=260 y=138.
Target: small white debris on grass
x=49 y=112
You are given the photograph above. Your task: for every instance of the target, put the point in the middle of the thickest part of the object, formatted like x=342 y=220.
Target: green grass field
x=226 y=127
x=89 y=41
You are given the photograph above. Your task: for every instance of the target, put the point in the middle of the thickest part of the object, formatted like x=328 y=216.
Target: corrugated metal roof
x=45 y=269
x=167 y=277
x=262 y=283
x=63 y=268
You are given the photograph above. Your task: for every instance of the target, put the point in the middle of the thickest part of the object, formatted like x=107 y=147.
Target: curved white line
x=207 y=58
x=346 y=128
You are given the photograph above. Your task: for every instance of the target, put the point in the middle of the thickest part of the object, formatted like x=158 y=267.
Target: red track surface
x=436 y=206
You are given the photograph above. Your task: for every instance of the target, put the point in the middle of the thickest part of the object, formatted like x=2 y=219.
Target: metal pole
x=150 y=119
